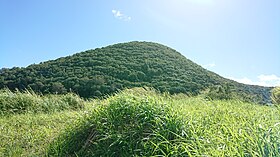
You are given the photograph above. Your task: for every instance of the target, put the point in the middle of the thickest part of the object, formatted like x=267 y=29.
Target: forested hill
x=105 y=70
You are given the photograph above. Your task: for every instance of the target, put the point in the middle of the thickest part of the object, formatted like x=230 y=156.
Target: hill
x=103 y=71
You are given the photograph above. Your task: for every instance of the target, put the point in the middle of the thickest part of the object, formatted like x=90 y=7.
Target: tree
x=58 y=88
x=275 y=95
x=220 y=92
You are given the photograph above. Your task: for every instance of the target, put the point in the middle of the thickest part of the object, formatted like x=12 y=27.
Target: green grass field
x=141 y=122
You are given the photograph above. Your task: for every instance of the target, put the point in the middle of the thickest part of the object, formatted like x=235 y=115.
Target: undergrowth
x=29 y=134
x=29 y=102
x=141 y=122
x=128 y=125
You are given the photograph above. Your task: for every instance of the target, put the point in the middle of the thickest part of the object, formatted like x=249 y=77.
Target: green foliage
x=275 y=95
x=129 y=125
x=27 y=135
x=29 y=102
x=103 y=71
x=143 y=122
x=220 y=92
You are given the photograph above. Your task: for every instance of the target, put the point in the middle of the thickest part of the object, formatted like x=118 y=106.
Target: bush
x=28 y=102
x=129 y=125
x=219 y=93
x=275 y=95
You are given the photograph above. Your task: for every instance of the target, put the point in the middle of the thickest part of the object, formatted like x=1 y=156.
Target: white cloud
x=268 y=78
x=120 y=15
x=210 y=65
x=262 y=80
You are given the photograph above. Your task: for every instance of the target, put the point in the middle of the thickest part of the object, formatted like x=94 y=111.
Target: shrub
x=129 y=125
x=275 y=95
x=28 y=102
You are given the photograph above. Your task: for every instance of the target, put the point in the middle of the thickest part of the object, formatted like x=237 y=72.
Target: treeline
x=103 y=71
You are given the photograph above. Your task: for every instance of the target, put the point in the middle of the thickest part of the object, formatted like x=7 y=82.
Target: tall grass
x=127 y=125
x=144 y=123
x=29 y=102
x=141 y=122
x=230 y=128
x=26 y=135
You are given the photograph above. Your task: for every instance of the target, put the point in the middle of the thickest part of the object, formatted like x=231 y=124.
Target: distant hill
x=103 y=71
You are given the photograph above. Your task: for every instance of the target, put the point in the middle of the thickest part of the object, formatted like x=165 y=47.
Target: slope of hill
x=105 y=70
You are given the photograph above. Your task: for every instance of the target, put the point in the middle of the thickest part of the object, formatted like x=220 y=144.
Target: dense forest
x=103 y=71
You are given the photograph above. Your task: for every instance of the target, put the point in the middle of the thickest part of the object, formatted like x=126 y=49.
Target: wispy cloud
x=268 y=78
x=210 y=65
x=120 y=15
x=262 y=80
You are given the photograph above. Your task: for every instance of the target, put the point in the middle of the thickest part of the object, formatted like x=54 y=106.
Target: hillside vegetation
x=103 y=71
x=275 y=95
x=141 y=122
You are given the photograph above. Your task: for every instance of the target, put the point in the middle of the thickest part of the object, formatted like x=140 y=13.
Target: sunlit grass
x=29 y=102
x=144 y=123
x=29 y=134
x=230 y=128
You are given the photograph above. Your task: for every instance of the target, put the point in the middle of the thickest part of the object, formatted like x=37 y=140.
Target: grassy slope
x=212 y=128
x=29 y=135
x=231 y=128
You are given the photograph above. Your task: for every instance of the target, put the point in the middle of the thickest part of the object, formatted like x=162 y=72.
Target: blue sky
x=238 y=39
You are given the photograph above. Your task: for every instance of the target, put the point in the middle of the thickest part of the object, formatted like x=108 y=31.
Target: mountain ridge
x=102 y=71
